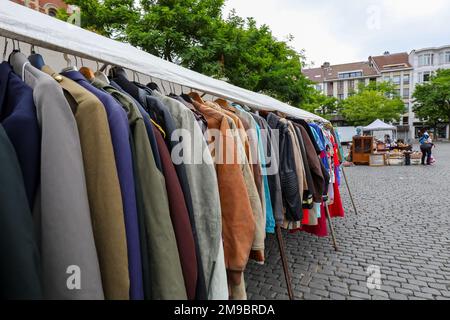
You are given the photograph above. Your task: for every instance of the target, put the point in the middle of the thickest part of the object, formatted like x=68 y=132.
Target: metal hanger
x=164 y=87
x=69 y=67
x=99 y=74
x=5 y=48
x=14 y=45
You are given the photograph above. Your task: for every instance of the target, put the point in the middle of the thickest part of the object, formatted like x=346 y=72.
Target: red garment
x=321 y=229
x=180 y=219
x=336 y=209
x=305 y=220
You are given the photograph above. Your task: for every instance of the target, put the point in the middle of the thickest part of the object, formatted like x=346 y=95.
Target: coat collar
x=5 y=70
x=74 y=75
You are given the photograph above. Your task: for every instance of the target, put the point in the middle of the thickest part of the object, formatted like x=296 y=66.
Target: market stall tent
x=379 y=129
x=27 y=25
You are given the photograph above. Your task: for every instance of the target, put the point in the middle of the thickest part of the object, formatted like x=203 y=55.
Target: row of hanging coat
x=94 y=206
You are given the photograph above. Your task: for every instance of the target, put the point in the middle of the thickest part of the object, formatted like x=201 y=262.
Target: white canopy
x=23 y=24
x=379 y=125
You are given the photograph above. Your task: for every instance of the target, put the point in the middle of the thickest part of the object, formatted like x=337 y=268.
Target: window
x=52 y=12
x=426 y=76
x=319 y=87
x=341 y=96
x=397 y=93
x=447 y=57
x=347 y=75
x=351 y=85
x=386 y=78
x=405 y=93
x=396 y=79
x=426 y=59
x=340 y=86
x=406 y=79
x=51 y=9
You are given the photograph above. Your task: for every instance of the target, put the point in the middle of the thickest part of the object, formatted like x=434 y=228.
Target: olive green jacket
x=166 y=277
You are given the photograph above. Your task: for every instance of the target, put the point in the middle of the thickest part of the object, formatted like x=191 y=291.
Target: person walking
x=426 y=145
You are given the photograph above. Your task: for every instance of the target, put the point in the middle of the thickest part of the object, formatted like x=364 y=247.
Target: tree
x=325 y=106
x=371 y=102
x=109 y=18
x=194 y=34
x=432 y=99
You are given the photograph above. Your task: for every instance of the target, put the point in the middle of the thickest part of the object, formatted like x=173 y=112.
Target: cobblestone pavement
x=402 y=226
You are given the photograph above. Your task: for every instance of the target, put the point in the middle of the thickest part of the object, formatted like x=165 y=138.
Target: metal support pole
x=349 y=192
x=287 y=274
x=330 y=222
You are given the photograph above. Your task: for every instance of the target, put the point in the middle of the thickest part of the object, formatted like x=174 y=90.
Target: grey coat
x=61 y=210
x=204 y=189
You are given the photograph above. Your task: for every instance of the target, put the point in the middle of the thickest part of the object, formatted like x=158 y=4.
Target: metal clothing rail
x=27 y=25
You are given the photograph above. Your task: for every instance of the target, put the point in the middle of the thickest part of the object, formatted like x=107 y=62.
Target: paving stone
x=335 y=296
x=423 y=295
x=379 y=293
x=431 y=291
x=359 y=288
x=339 y=290
x=397 y=296
x=361 y=295
x=404 y=291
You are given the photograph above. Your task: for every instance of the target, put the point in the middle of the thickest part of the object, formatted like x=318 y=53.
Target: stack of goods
x=116 y=191
x=395 y=158
x=416 y=158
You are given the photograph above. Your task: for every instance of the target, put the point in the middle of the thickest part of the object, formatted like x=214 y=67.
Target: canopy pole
x=349 y=192
x=330 y=223
x=287 y=275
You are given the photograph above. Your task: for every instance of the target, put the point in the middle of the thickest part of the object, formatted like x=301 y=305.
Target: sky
x=341 y=31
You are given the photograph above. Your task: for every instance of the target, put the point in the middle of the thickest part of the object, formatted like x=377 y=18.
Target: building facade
x=49 y=7
x=425 y=63
x=404 y=70
x=341 y=81
x=396 y=69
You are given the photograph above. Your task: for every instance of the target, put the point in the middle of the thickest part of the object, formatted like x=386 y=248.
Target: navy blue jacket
x=119 y=129
x=19 y=119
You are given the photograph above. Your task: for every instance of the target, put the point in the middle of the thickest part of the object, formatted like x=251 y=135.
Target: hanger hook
x=18 y=45
x=68 y=61
x=32 y=50
x=5 y=48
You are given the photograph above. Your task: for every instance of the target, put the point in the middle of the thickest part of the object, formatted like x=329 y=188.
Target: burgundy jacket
x=180 y=219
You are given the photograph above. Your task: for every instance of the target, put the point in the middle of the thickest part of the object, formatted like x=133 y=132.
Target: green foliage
x=107 y=17
x=194 y=34
x=371 y=102
x=432 y=99
x=326 y=107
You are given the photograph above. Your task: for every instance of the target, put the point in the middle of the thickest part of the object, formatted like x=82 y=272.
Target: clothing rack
x=279 y=235
x=38 y=30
